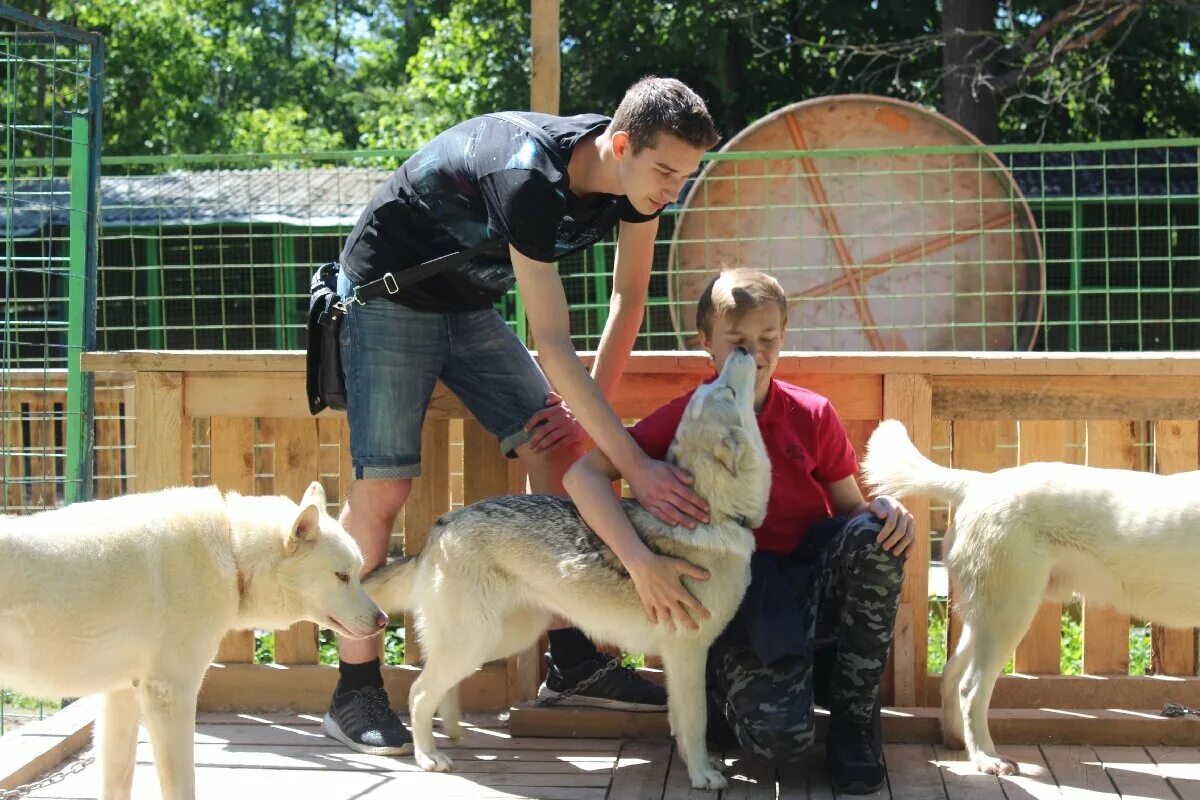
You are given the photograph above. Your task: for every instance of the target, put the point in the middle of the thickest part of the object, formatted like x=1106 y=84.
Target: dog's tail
x=391 y=586
x=893 y=465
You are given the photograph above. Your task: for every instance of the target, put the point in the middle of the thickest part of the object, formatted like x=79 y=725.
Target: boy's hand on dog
x=663 y=595
x=898 y=528
x=662 y=489
x=553 y=426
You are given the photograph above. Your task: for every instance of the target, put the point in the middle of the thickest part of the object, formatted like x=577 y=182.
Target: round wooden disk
x=877 y=251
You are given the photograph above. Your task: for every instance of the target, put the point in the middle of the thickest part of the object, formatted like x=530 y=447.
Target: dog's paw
x=707 y=779
x=433 y=761
x=996 y=765
x=453 y=729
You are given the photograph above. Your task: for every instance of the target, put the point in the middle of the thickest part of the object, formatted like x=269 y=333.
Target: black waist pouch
x=326 y=382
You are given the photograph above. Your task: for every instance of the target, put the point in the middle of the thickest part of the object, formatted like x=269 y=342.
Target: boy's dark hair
x=664 y=105
x=733 y=293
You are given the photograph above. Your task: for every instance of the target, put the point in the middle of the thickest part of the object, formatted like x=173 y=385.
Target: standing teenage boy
x=541 y=195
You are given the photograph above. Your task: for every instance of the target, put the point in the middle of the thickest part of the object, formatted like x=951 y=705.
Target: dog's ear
x=314 y=494
x=726 y=452
x=306 y=527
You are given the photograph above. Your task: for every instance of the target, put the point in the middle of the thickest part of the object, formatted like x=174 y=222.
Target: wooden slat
x=105 y=441
x=430 y=499
x=996 y=364
x=1040 y=652
x=961 y=396
x=974 y=446
x=641 y=770
x=1133 y=773
x=14 y=457
x=39 y=415
x=1076 y=691
x=329 y=431
x=858 y=431
x=1066 y=397
x=1176 y=449
x=281 y=394
x=231 y=443
x=307 y=687
x=962 y=780
x=912 y=772
x=296 y=446
x=908 y=398
x=1180 y=767
x=160 y=431
x=487 y=474
x=1079 y=772
x=1105 y=631
x=345 y=462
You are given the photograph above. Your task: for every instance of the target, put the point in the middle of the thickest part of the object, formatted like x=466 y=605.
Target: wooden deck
x=287 y=756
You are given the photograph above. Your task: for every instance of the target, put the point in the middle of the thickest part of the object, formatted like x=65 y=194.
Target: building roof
x=334 y=196
x=317 y=197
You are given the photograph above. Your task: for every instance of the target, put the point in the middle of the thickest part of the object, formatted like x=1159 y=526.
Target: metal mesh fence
x=1064 y=248
x=49 y=167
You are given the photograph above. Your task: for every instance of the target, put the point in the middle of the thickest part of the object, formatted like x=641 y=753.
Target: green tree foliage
x=286 y=75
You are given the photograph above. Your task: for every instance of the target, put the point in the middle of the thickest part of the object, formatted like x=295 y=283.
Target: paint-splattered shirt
x=484 y=179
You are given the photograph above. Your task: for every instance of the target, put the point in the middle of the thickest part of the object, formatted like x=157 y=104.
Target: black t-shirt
x=484 y=179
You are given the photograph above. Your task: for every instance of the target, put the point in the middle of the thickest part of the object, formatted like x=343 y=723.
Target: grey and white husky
x=492 y=575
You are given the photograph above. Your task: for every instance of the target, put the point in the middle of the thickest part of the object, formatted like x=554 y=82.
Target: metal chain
x=79 y=765
x=1178 y=710
x=613 y=664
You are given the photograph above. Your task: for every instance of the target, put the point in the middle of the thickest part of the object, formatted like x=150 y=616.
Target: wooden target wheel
x=882 y=250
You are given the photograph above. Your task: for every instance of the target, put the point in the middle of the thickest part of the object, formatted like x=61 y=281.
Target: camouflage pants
x=848 y=599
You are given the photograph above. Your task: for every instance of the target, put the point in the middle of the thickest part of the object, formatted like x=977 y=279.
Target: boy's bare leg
x=369 y=516
x=360 y=714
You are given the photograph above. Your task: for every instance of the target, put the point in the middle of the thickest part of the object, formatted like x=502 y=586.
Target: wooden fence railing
x=240 y=420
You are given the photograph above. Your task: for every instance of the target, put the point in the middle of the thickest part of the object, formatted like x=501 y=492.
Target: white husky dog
x=492 y=575
x=130 y=597
x=1117 y=537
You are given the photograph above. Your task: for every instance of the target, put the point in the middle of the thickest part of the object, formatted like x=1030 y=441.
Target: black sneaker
x=601 y=683
x=363 y=720
x=854 y=754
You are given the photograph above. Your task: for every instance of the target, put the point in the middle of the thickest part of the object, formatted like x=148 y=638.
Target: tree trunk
x=966 y=25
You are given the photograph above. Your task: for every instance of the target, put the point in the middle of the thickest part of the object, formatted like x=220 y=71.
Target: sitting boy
x=816 y=622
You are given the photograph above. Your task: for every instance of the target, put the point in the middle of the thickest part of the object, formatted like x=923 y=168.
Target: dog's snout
x=381 y=620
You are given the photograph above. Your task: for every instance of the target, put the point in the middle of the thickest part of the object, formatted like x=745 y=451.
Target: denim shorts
x=393 y=357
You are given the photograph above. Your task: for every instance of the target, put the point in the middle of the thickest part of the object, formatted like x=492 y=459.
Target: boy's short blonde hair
x=733 y=293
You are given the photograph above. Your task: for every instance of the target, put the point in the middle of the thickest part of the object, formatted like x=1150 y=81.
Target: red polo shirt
x=808 y=448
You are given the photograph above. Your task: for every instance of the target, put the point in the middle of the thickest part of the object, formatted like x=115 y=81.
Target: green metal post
x=600 y=286
x=156 y=305
x=287 y=317
x=1076 y=312
x=78 y=389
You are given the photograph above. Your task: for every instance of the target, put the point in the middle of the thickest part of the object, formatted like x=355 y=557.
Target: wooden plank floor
x=287 y=756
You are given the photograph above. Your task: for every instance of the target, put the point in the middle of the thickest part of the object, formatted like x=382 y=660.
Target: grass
x=393 y=647
x=1071 y=660
x=16 y=708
